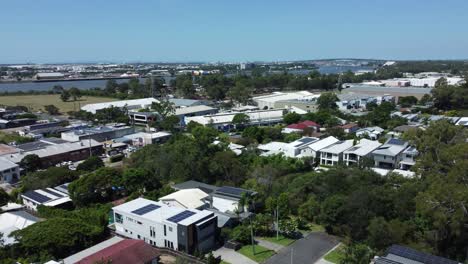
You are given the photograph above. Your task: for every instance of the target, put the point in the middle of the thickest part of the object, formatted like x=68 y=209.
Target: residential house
x=295 y=149
x=389 y=155
x=188 y=199
x=408 y=158
x=52 y=197
x=371 y=132
x=12 y=221
x=160 y=225
x=116 y=250
x=333 y=154
x=350 y=128
x=317 y=146
x=362 y=149
x=301 y=127
x=397 y=254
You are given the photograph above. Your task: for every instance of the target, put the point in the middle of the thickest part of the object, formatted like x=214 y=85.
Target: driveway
x=232 y=256
x=307 y=250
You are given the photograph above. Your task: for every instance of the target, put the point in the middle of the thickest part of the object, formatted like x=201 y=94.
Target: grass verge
x=261 y=253
x=282 y=240
x=336 y=255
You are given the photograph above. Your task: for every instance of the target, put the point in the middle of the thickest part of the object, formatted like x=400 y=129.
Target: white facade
x=333 y=154
x=321 y=144
x=9 y=171
x=129 y=104
x=161 y=225
x=363 y=149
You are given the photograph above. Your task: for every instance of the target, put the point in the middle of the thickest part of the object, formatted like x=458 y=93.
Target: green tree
x=240 y=93
x=164 y=108
x=50 y=177
x=75 y=93
x=65 y=95
x=357 y=253
x=137 y=179
x=4 y=198
x=31 y=163
x=95 y=187
x=241 y=234
x=91 y=164
x=111 y=86
x=327 y=101
x=52 y=109
x=240 y=120
x=291 y=118
x=170 y=123
x=310 y=209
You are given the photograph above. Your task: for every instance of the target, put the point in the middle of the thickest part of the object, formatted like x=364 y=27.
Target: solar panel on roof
x=146 y=209
x=37 y=197
x=395 y=141
x=412 y=254
x=180 y=216
x=231 y=190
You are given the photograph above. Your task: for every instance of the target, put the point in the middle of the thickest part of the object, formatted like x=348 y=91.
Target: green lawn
x=284 y=241
x=224 y=262
x=37 y=102
x=261 y=253
x=336 y=255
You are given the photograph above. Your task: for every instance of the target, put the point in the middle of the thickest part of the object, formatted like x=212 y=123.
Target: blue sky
x=236 y=30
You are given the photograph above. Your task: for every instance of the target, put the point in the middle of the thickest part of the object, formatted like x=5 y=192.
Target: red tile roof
x=297 y=126
x=126 y=251
x=310 y=123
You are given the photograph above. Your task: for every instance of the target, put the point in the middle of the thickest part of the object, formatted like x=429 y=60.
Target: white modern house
x=161 y=225
x=362 y=149
x=372 y=132
x=317 y=146
x=333 y=154
x=296 y=149
x=9 y=171
x=227 y=199
x=53 y=197
x=408 y=158
x=389 y=155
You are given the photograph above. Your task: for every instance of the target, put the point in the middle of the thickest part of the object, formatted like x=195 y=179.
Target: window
x=118 y=218
x=165 y=234
x=170 y=229
x=139 y=237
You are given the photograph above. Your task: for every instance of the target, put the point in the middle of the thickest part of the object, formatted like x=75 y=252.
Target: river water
x=89 y=84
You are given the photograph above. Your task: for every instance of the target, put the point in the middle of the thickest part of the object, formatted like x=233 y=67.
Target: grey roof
x=392 y=147
x=232 y=192
x=195 y=184
x=178 y=102
x=30 y=146
x=406 y=255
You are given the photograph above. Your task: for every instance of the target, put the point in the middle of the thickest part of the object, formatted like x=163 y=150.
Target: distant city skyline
x=231 y=31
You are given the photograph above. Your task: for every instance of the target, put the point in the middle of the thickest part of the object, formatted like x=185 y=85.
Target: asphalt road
x=307 y=250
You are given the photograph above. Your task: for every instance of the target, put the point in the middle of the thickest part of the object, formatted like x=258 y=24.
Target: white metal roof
x=323 y=143
x=281 y=96
x=161 y=214
x=188 y=198
x=131 y=104
x=338 y=147
x=5 y=164
x=193 y=109
x=226 y=118
x=364 y=147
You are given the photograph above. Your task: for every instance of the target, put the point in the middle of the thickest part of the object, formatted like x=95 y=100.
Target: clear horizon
x=214 y=31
